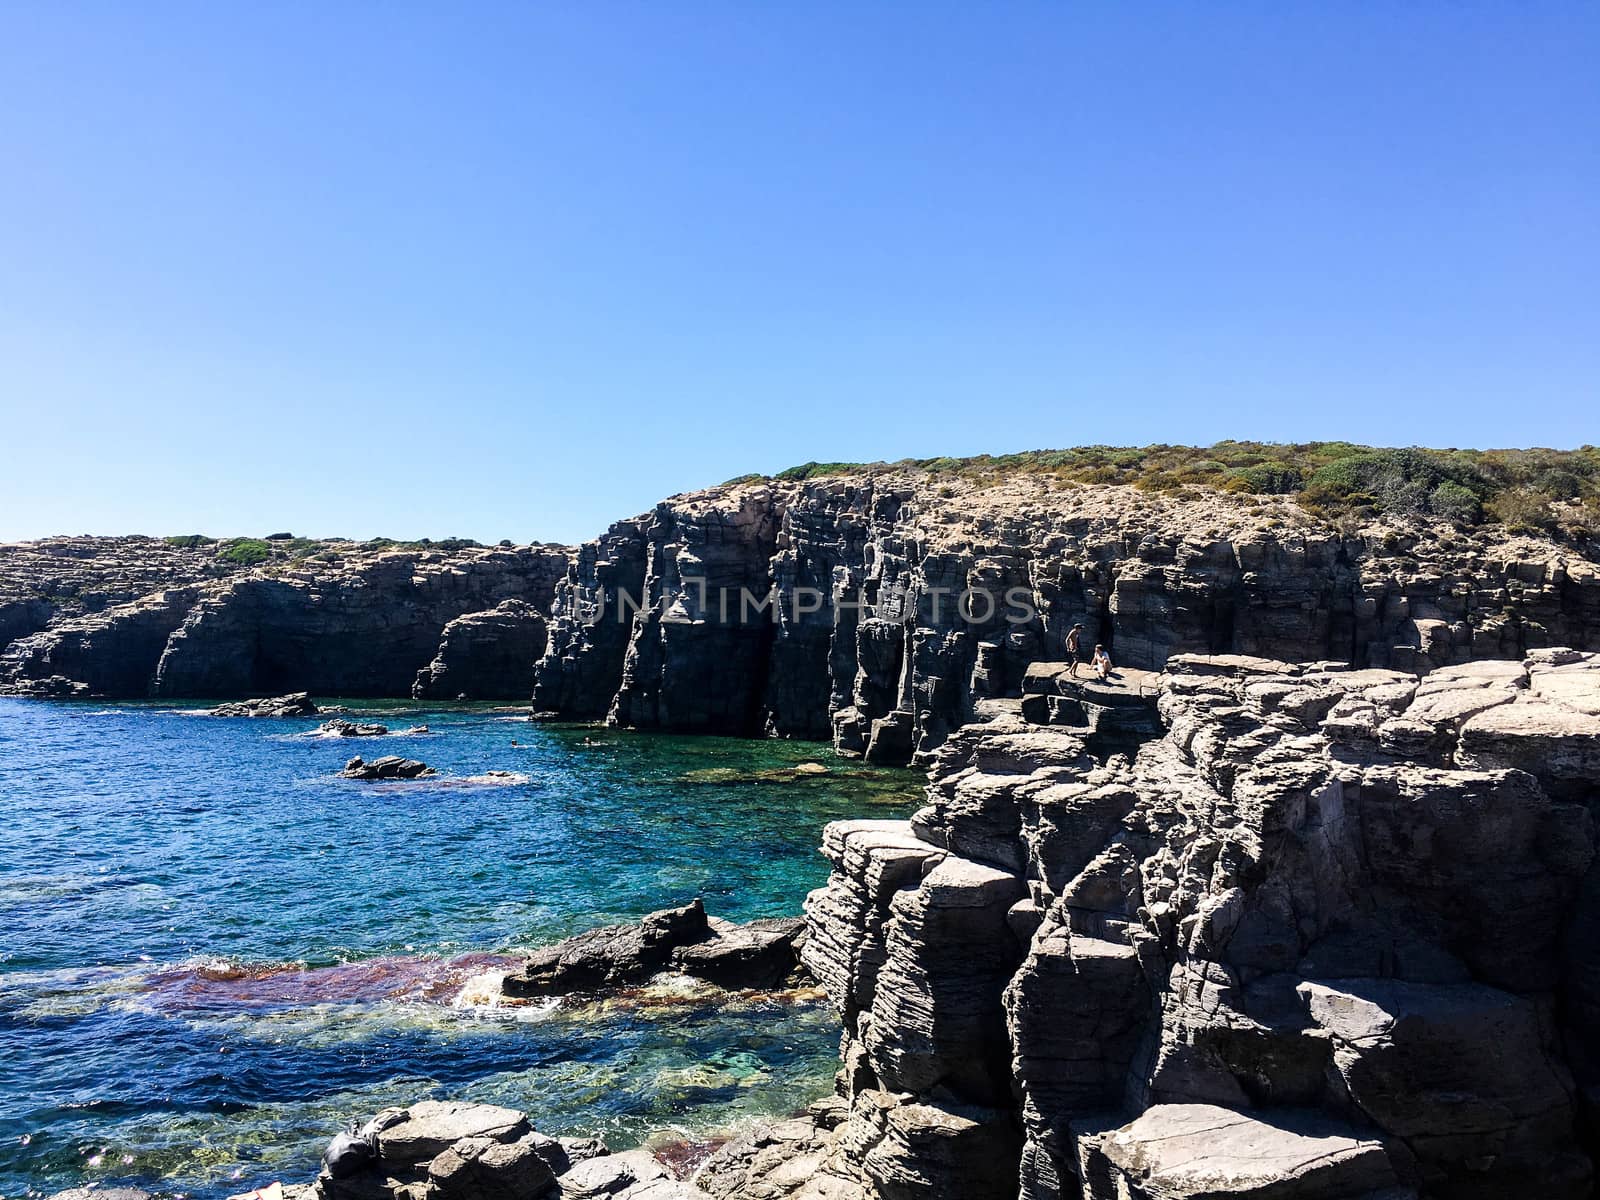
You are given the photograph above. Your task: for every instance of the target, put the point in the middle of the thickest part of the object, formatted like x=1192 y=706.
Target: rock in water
x=341 y=728
x=390 y=766
x=296 y=704
x=760 y=954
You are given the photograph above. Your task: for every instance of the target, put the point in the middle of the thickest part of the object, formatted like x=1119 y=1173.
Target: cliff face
x=363 y=626
x=894 y=602
x=876 y=609
x=1325 y=933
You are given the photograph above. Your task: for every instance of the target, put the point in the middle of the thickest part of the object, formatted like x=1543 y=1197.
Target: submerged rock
x=759 y=954
x=390 y=766
x=295 y=704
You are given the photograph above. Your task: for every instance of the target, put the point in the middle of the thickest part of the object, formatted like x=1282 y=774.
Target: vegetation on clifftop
x=1536 y=489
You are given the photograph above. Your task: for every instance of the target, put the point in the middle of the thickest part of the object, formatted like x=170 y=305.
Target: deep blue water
x=214 y=952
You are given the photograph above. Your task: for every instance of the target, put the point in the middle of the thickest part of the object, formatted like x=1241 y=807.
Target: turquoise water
x=214 y=952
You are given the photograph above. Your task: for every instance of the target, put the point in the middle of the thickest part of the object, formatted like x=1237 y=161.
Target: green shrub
x=1267 y=479
x=189 y=541
x=1521 y=509
x=245 y=552
x=1340 y=482
x=811 y=470
x=1454 y=502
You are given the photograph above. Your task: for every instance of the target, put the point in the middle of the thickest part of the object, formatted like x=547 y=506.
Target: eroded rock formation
x=835 y=607
x=365 y=625
x=486 y=655
x=877 y=609
x=1327 y=933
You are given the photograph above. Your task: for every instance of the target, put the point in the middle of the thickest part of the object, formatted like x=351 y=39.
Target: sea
x=215 y=953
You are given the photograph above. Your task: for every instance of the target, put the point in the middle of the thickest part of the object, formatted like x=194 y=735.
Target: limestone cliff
x=1323 y=933
x=835 y=606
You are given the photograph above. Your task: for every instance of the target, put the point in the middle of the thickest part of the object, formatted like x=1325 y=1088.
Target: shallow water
x=213 y=951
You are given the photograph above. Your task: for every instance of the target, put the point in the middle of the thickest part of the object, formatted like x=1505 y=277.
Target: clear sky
x=519 y=270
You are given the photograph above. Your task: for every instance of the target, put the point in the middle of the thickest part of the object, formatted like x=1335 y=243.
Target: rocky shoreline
x=1299 y=903
x=828 y=608
x=1245 y=928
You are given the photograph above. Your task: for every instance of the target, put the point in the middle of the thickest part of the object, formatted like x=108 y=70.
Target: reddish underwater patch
x=685 y=1156
x=226 y=984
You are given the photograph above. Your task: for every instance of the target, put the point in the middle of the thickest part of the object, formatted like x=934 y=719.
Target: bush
x=811 y=470
x=189 y=541
x=1266 y=479
x=1455 y=503
x=245 y=552
x=1340 y=482
x=1521 y=509
x=1400 y=481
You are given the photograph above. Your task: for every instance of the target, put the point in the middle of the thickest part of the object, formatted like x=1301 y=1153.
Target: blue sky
x=520 y=270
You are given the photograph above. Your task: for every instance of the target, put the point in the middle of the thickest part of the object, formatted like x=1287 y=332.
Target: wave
x=425 y=783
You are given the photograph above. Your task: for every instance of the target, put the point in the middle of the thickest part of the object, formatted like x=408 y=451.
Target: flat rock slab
x=1203 y=1152
x=424 y=1130
x=1123 y=686
x=613 y=1175
x=1230 y=664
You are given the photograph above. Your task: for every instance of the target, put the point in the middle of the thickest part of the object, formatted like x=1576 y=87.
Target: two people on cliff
x=1099 y=662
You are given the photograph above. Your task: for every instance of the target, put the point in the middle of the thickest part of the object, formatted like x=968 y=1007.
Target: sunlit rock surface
x=1324 y=933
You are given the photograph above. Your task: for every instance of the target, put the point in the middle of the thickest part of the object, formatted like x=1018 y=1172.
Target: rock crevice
x=1318 y=932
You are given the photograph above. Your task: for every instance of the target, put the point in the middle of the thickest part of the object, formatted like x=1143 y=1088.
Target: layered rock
x=357 y=623
x=876 y=608
x=882 y=609
x=1320 y=933
x=486 y=655
x=657 y=623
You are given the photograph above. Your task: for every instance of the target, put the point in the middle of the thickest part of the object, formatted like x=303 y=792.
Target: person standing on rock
x=1074 y=642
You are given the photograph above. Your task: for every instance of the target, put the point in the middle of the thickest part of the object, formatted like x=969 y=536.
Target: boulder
x=483 y=1168
x=760 y=954
x=338 y=727
x=421 y=1132
x=390 y=766
x=296 y=704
